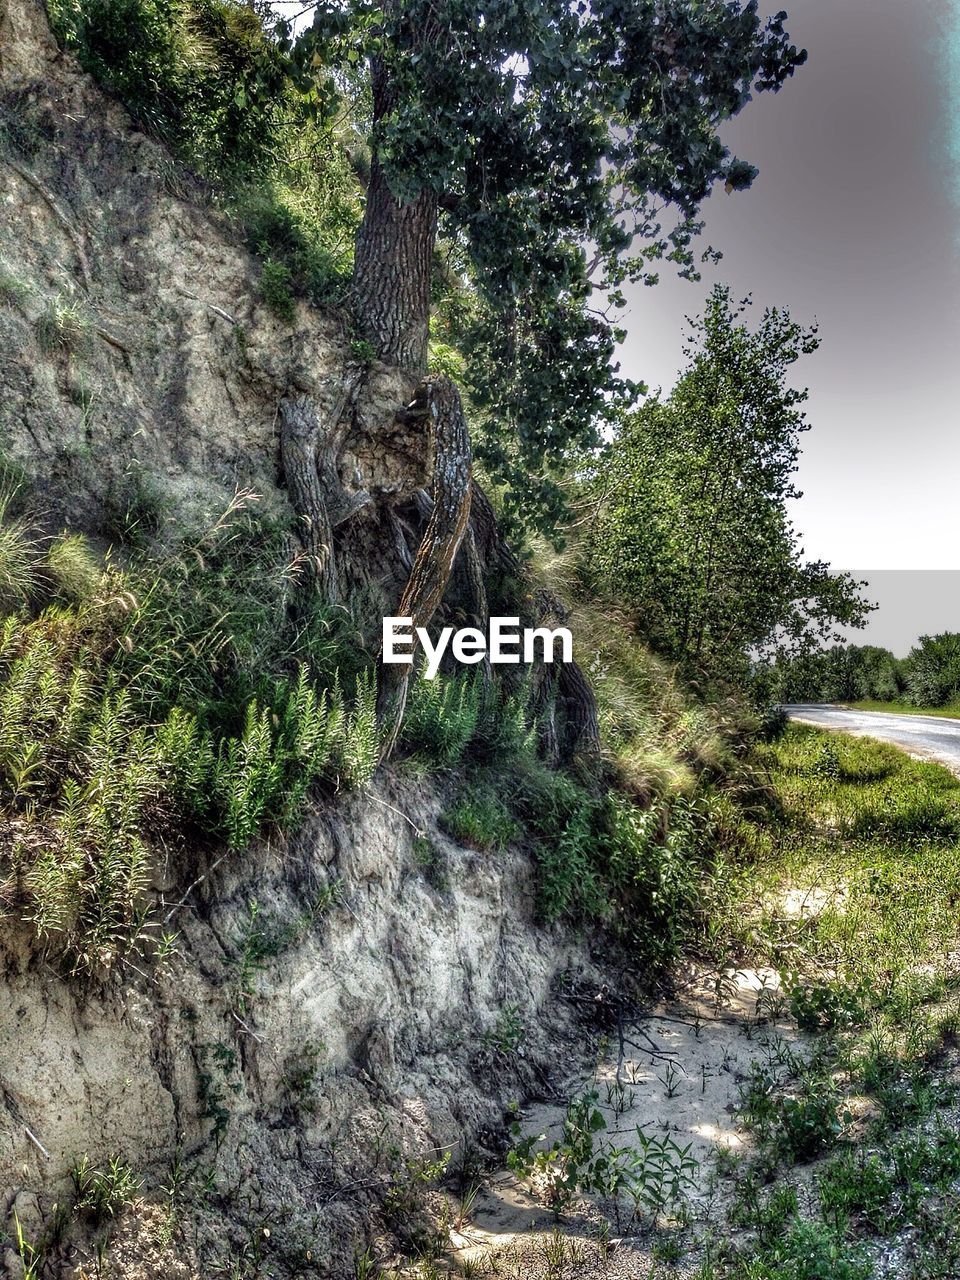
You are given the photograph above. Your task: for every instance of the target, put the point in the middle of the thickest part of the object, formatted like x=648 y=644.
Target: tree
x=933 y=670
x=691 y=532
x=842 y=673
x=547 y=139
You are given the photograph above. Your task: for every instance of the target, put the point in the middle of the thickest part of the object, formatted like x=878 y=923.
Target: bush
x=199 y=74
x=276 y=281
x=442 y=718
x=479 y=819
x=208 y=79
x=123 y=720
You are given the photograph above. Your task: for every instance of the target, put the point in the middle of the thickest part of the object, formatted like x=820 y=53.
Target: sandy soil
x=676 y=1072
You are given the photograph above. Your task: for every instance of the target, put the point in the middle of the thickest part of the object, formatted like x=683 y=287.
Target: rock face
x=334 y=1012
x=136 y=360
x=329 y=1010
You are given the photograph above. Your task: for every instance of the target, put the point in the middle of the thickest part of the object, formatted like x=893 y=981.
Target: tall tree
x=692 y=533
x=566 y=146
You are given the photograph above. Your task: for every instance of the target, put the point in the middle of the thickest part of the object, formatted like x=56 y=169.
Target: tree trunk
x=393 y=259
x=440 y=404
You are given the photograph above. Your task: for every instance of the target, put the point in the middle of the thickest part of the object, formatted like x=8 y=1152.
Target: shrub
x=480 y=819
x=125 y=716
x=442 y=717
x=276 y=281
x=208 y=79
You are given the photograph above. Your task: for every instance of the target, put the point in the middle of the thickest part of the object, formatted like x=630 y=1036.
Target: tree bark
x=309 y=455
x=393 y=258
x=391 y=277
x=439 y=545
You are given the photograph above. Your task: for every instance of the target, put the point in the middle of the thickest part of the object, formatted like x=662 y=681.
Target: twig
x=36 y=1142
x=217 y=311
x=112 y=340
x=249 y=1030
x=398 y=812
x=654 y=1050
x=63 y=221
x=199 y=880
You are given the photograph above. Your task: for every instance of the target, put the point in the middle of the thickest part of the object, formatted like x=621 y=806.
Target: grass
x=952 y=711
x=854 y=1172
x=62 y=326
x=174 y=702
x=872 y=974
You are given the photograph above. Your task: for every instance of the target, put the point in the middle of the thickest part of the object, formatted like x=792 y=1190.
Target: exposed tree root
x=310 y=456
x=564 y=688
x=460 y=535
x=438 y=400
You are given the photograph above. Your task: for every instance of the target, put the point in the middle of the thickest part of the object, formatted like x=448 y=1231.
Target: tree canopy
x=566 y=148
x=692 y=533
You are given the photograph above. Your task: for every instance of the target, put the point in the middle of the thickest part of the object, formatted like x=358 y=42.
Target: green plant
x=816 y=1006
x=276 y=288
x=216 y=1077
x=62 y=326
x=857 y=1185
x=442 y=717
x=18 y=554
x=125 y=707
x=301 y=1073
x=13 y=290
x=135 y=510
x=768 y=1215
x=31 y=1257
x=360 y=750
x=654 y=1173
x=479 y=818
x=365 y=1265
x=104 y=1192
x=410 y=1177
x=506 y=1036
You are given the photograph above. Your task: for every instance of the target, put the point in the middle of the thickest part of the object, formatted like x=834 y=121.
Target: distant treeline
x=928 y=677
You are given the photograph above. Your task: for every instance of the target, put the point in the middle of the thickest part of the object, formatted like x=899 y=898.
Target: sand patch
x=674 y=1074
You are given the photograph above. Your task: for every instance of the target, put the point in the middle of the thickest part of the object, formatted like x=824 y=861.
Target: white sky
x=853 y=222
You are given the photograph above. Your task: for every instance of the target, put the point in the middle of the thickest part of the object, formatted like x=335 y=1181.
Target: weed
x=651 y=1175
x=276 y=281
x=135 y=510
x=301 y=1073
x=62 y=326
x=810 y=1251
x=480 y=819
x=212 y=1086
x=768 y=1215
x=13 y=290
x=104 y=1192
x=410 y=1178
x=506 y=1037
x=31 y=1256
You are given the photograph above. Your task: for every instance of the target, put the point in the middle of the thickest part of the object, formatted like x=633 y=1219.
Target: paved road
x=933 y=737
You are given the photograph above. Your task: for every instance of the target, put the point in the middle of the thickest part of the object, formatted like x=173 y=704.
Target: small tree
x=933 y=670
x=692 y=533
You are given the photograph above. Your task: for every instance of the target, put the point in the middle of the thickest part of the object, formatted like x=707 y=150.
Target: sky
x=854 y=221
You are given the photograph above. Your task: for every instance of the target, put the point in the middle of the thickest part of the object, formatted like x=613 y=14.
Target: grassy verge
x=856 y=1171
x=951 y=712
